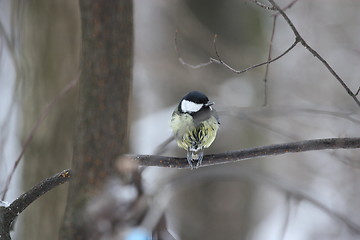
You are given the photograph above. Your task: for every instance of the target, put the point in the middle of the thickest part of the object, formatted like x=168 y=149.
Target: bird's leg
x=200 y=158
x=189 y=159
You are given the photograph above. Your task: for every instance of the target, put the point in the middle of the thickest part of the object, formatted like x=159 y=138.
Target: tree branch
x=285 y=8
x=218 y=60
x=263 y=5
x=298 y=39
x=268 y=64
x=357 y=92
x=313 y=52
x=270 y=49
x=234 y=156
x=8 y=214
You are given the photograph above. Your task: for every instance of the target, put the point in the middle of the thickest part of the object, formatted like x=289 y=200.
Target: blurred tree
x=102 y=133
x=50 y=46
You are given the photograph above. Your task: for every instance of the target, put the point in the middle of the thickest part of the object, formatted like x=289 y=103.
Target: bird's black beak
x=208 y=104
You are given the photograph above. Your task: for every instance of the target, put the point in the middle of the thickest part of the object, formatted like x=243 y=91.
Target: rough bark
x=102 y=132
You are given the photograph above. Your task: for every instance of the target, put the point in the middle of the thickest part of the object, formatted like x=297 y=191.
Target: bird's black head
x=193 y=102
x=196 y=97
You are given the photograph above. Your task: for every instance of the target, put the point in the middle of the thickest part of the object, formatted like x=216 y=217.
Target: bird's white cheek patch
x=188 y=106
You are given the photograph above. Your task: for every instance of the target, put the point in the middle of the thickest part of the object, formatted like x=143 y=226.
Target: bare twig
x=357 y=92
x=185 y=63
x=267 y=65
x=263 y=5
x=220 y=158
x=8 y=214
x=313 y=52
x=221 y=62
x=286 y=7
x=270 y=50
x=46 y=185
x=37 y=124
x=298 y=39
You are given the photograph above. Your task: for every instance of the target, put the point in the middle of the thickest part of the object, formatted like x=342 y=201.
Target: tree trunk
x=102 y=133
x=50 y=45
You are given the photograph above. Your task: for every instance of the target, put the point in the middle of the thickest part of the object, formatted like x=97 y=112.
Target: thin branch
x=8 y=214
x=297 y=40
x=37 y=124
x=181 y=60
x=221 y=62
x=286 y=7
x=270 y=48
x=357 y=92
x=267 y=65
x=220 y=158
x=263 y=5
x=37 y=191
x=256 y=65
x=313 y=52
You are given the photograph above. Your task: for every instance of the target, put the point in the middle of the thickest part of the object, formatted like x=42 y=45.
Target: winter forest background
x=306 y=195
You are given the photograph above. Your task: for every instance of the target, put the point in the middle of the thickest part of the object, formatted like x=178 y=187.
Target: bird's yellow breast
x=193 y=137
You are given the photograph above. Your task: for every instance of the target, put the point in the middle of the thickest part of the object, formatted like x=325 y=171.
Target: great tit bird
x=195 y=123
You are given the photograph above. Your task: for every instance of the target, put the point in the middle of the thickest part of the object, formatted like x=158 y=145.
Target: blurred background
x=310 y=195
